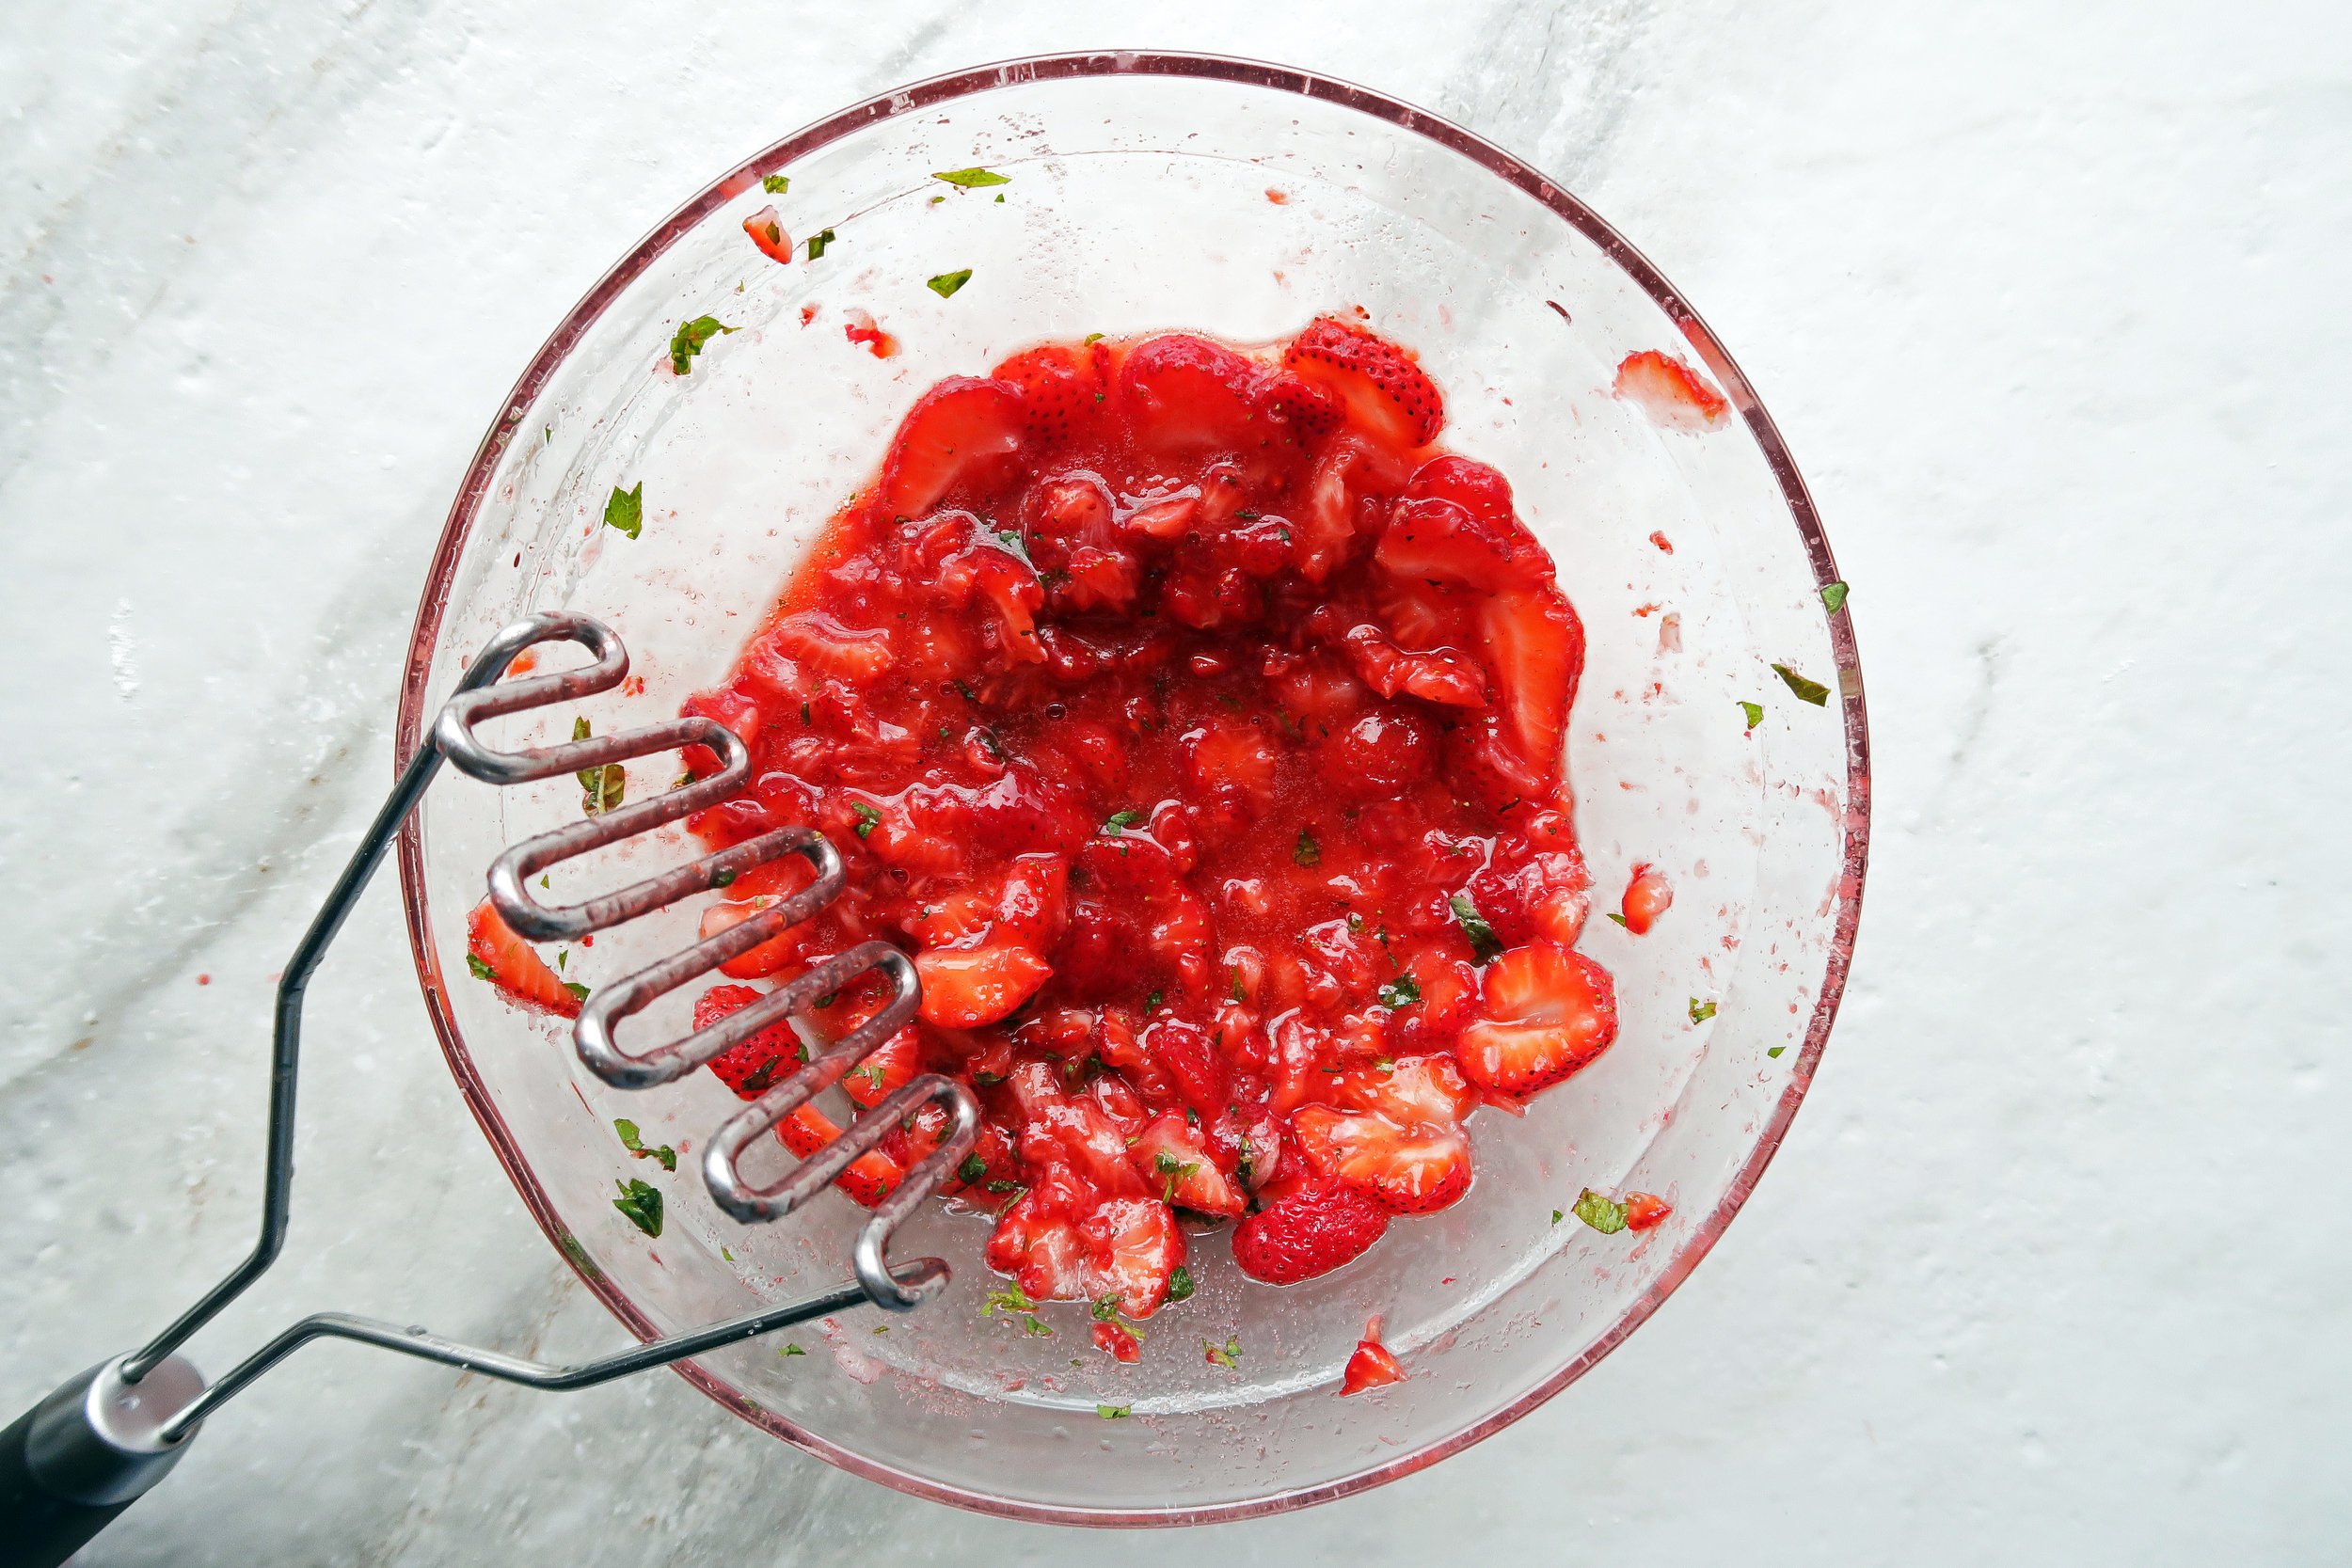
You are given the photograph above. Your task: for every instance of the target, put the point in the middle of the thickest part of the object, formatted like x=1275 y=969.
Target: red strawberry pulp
x=1196 y=723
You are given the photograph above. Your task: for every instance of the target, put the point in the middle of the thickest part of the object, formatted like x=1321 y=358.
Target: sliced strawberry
x=1385 y=392
x=1380 y=755
x=885 y=1069
x=1061 y=392
x=1296 y=410
x=1546 y=1013
x=1441 y=676
x=1415 y=1092
x=963 y=433
x=749 y=1067
x=1537 y=648
x=1646 y=898
x=1645 y=1211
x=1408 y=1173
x=1174 y=1161
x=1118 y=1341
x=1669 y=392
x=1196 y=1067
x=820 y=641
x=1231 y=766
x=1133 y=1250
x=767 y=231
x=1039 y=1247
x=871 y=1177
x=1372 y=1366
x=1168 y=518
x=516 y=967
x=1433 y=539
x=1074 y=1133
x=1469 y=484
x=1186 y=394
x=764 y=960
x=964 y=989
x=1310 y=1230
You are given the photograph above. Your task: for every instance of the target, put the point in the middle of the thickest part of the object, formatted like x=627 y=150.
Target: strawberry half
x=1372 y=1366
x=749 y=1067
x=1175 y=1163
x=516 y=967
x=1310 y=1230
x=1134 y=1249
x=1646 y=898
x=1537 y=648
x=1184 y=393
x=1669 y=392
x=964 y=432
x=1061 y=392
x=871 y=1177
x=1545 y=1012
x=1442 y=540
x=1408 y=1173
x=1383 y=392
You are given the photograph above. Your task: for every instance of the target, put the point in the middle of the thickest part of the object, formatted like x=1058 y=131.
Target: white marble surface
x=2048 y=301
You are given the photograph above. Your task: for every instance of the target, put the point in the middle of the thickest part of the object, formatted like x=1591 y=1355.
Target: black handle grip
x=80 y=1457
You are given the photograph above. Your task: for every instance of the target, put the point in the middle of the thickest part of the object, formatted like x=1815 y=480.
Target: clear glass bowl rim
x=413 y=716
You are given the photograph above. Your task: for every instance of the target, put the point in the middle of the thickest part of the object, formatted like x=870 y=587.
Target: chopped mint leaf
x=641 y=1204
x=1834 y=597
x=866 y=818
x=1151 y=1003
x=1557 y=1217
x=825 y=1001
x=626 y=508
x=688 y=340
x=1484 y=948
x=1754 y=712
x=600 y=788
x=1701 y=1011
x=726 y=1254
x=1603 y=1215
x=1226 y=1355
x=1306 y=851
x=968 y=178
x=792 y=1350
x=762 y=1077
x=871 y=1073
x=635 y=1144
x=1400 y=992
x=481 y=970
x=1806 y=690
x=1179 y=1284
x=1114 y=1411
x=775 y=184
x=1238 y=994
x=1118 y=822
x=973 y=1168
x=1093 y=338
x=946 y=284
x=580 y=992
x=1616 y=916
x=818 y=242
x=723 y=879
x=680 y=783
x=1014 y=543
x=1774 y=1051
x=964 y=691
x=1002 y=1186
x=1355 y=922
x=1106 y=1308
x=1000 y=201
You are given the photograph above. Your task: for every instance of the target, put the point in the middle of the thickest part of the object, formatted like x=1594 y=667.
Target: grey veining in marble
x=2048 y=301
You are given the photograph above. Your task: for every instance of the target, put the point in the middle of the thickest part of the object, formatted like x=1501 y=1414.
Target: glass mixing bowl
x=1150 y=191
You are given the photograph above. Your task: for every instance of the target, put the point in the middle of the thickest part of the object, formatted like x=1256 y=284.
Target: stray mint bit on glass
x=580 y=992
x=481 y=970
x=641 y=1204
x=1118 y=822
x=1106 y=1308
x=1701 y=1011
x=626 y=508
x=968 y=178
x=1774 y=1051
x=818 y=242
x=1557 y=1217
x=1400 y=992
x=1616 y=916
x=882 y=1328
x=1605 y=1215
x=973 y=1168
x=1113 y=1412
x=775 y=184
x=600 y=788
x=1000 y=201
x=1834 y=597
x=631 y=1141
x=1226 y=1355
x=1307 y=852
x=1011 y=1301
x=1807 y=692
x=792 y=1350
x=688 y=340
x=1180 y=1283
x=866 y=818
x=1093 y=338
x=946 y=284
x=1754 y=712
x=1484 y=948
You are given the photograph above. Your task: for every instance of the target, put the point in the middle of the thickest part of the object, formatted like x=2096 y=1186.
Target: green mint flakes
x=1151 y=1002
x=946 y=284
x=1114 y=1411
x=1105 y=1307
x=1701 y=1011
x=775 y=184
x=866 y=818
x=1013 y=542
x=1616 y=916
x=600 y=788
x=688 y=340
x=1557 y=1216
x=1092 y=339
x=1834 y=597
x=1485 y=947
x=1227 y=1355
x=626 y=508
x=1180 y=1284
x=641 y=1204
x=1120 y=821
x=1306 y=851
x=792 y=1350
x=969 y=178
x=580 y=992
x=818 y=242
x=1403 y=991
x=1603 y=1215
x=1807 y=692
x=1754 y=712
x=635 y=1144
x=481 y=970
x=972 y=1169
x=1774 y=1051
